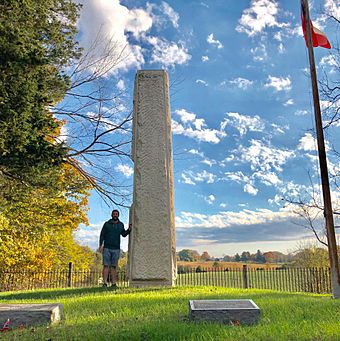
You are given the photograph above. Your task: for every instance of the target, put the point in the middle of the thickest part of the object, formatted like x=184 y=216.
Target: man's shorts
x=110 y=257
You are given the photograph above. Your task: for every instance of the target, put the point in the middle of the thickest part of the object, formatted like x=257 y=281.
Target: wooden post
x=245 y=276
x=69 y=275
x=328 y=212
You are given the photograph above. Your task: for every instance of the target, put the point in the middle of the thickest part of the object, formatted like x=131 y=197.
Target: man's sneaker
x=114 y=286
x=104 y=285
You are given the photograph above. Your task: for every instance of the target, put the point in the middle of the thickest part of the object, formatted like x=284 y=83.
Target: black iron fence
x=314 y=280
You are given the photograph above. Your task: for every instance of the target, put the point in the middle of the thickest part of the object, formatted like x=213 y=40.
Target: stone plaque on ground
x=30 y=314
x=225 y=311
x=152 y=245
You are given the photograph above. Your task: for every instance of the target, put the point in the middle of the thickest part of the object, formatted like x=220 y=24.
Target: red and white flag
x=318 y=37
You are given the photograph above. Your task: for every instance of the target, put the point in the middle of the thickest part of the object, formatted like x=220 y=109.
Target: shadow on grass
x=208 y=291
x=70 y=292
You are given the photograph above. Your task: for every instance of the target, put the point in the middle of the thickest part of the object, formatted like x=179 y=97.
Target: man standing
x=109 y=246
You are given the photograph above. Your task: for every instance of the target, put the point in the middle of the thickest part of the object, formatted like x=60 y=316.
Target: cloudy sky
x=241 y=106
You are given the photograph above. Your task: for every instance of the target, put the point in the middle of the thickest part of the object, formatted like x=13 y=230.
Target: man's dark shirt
x=110 y=234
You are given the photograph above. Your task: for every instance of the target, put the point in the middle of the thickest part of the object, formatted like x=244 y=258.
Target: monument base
x=150 y=283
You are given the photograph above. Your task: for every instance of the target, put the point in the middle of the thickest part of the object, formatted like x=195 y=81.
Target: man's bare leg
x=113 y=275
x=105 y=273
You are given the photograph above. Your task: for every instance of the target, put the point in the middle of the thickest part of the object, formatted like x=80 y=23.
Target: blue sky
x=242 y=115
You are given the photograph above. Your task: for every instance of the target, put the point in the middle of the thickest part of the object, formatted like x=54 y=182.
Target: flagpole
x=328 y=212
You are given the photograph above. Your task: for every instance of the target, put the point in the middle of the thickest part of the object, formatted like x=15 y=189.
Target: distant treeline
x=308 y=256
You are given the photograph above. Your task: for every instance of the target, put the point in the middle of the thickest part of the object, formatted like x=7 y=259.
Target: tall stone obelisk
x=152 y=243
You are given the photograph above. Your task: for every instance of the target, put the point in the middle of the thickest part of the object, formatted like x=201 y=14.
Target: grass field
x=162 y=314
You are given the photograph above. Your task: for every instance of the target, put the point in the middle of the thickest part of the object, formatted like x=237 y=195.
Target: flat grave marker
x=30 y=314
x=241 y=311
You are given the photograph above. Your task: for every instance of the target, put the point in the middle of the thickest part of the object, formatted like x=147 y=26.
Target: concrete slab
x=30 y=314
x=224 y=311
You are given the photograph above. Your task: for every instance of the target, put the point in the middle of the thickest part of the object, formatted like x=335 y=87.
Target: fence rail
x=314 y=280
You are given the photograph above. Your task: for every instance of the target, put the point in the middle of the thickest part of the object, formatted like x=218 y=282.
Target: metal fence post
x=69 y=275
x=245 y=276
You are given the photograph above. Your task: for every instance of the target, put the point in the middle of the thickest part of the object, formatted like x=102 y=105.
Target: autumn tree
x=205 y=256
x=310 y=255
x=36 y=231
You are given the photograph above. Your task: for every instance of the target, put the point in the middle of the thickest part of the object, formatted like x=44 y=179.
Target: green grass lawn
x=162 y=314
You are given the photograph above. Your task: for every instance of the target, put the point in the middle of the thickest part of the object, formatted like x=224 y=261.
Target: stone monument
x=152 y=244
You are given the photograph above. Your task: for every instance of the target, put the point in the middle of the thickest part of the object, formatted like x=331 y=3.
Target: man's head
x=115 y=215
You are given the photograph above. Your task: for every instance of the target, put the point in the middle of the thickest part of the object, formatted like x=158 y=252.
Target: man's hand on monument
x=130 y=226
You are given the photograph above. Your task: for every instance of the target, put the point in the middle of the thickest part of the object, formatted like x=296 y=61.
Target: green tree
x=36 y=44
x=259 y=258
x=237 y=258
x=245 y=256
x=188 y=255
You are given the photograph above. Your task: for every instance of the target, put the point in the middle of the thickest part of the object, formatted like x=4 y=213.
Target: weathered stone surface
x=224 y=311
x=152 y=245
x=30 y=314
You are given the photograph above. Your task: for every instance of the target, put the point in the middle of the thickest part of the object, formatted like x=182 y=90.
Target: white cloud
x=205 y=58
x=210 y=199
x=187 y=180
x=268 y=178
x=332 y=7
x=204 y=160
x=212 y=41
x=106 y=24
x=237 y=177
x=281 y=48
x=223 y=205
x=243 y=123
x=248 y=188
x=264 y=157
x=233 y=219
x=170 y=13
x=261 y=14
x=200 y=81
x=329 y=61
x=301 y=112
x=241 y=83
x=288 y=102
x=124 y=169
x=195 y=128
x=209 y=162
x=279 y=84
x=307 y=142
x=191 y=178
x=121 y=85
x=168 y=53
x=89 y=235
x=185 y=116
x=195 y=152
x=259 y=52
